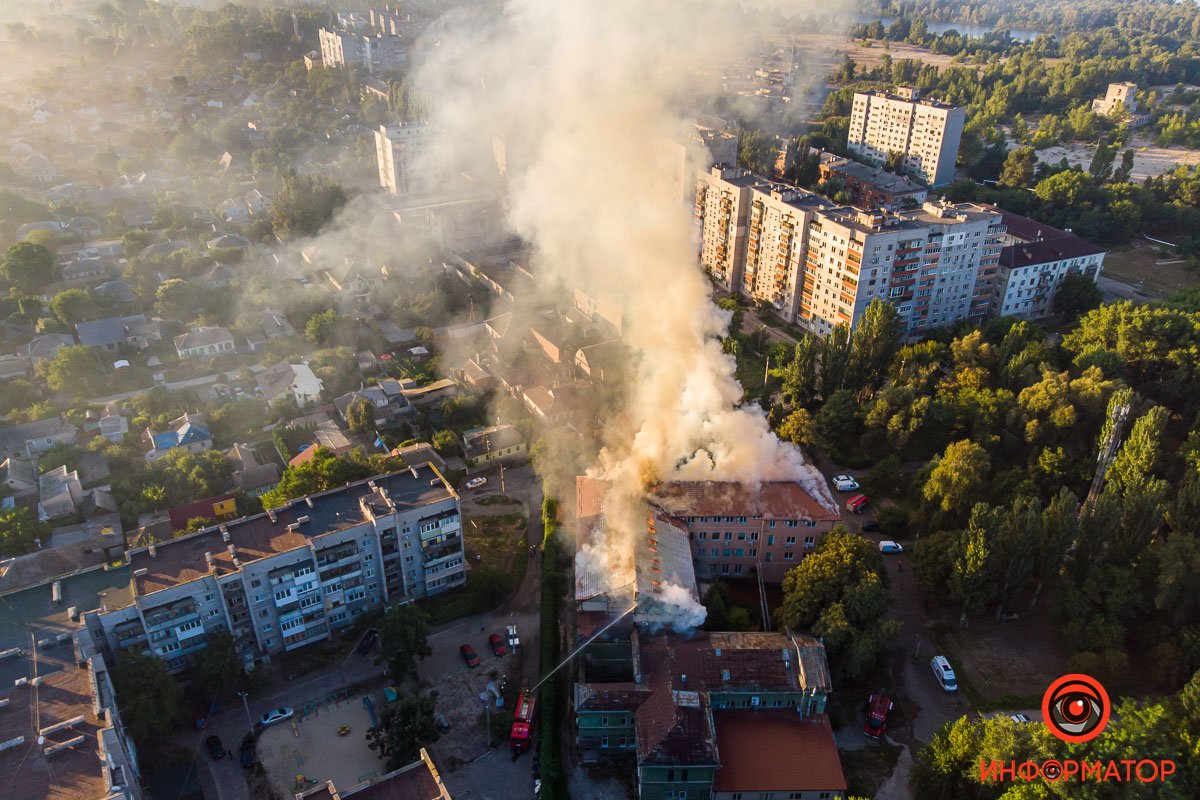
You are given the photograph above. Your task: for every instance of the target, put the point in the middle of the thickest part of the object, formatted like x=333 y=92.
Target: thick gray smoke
x=589 y=98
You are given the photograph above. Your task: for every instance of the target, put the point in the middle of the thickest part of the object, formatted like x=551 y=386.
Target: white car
x=275 y=715
x=845 y=483
x=475 y=483
x=944 y=673
x=513 y=641
x=888 y=546
x=1020 y=718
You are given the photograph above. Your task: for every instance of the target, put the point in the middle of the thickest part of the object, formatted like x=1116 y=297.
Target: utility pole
x=246 y=704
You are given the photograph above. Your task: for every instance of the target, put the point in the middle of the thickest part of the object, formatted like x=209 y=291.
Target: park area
x=1149 y=268
x=309 y=749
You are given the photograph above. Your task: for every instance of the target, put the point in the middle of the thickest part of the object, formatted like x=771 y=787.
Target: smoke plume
x=591 y=100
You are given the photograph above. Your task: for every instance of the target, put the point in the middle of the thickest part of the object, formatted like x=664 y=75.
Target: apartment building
x=722 y=212
x=855 y=257
x=753 y=235
x=412 y=159
x=1033 y=264
x=959 y=267
x=291 y=576
x=925 y=133
x=1120 y=102
x=377 y=53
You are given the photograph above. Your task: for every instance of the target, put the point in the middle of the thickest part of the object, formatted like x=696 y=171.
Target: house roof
x=185 y=430
x=180 y=515
x=19 y=470
x=202 y=337
x=117 y=290
x=14 y=437
x=1045 y=252
x=45 y=346
x=774 y=750
x=107 y=331
x=481 y=441
x=769 y=499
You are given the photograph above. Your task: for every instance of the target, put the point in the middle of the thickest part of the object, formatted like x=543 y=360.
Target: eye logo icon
x=1076 y=708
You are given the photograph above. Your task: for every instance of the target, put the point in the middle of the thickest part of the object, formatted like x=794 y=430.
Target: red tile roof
x=770 y=499
x=776 y=751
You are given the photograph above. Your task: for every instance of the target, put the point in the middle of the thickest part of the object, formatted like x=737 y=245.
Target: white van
x=944 y=674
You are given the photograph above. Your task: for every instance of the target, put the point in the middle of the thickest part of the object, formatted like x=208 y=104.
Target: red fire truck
x=522 y=729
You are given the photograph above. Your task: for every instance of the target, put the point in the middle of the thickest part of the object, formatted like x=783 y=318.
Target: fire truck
x=522 y=729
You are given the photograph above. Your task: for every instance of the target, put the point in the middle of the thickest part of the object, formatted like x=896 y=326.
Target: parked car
x=246 y=752
x=871 y=526
x=275 y=715
x=944 y=673
x=497 y=644
x=367 y=644
x=469 y=656
x=845 y=483
x=857 y=503
x=215 y=748
x=475 y=483
x=888 y=546
x=513 y=641
x=1021 y=718
x=879 y=706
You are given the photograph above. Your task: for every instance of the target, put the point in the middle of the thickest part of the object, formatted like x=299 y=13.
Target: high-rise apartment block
x=411 y=158
x=924 y=133
x=391 y=21
x=820 y=265
x=289 y=577
x=378 y=53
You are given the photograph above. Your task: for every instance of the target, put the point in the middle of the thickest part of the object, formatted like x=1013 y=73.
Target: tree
x=1105 y=157
x=835 y=359
x=16 y=393
x=403 y=638
x=325 y=329
x=1019 y=168
x=27 y=266
x=838 y=422
x=177 y=299
x=73 y=306
x=800 y=375
x=19 y=532
x=958 y=478
x=304 y=204
x=757 y=152
x=220 y=670
x=151 y=700
x=405 y=725
x=360 y=417
x=873 y=343
x=323 y=471
x=1077 y=293
x=445 y=442
x=840 y=592
x=1136 y=459
x=1123 y=173
x=799 y=428
x=336 y=368
x=75 y=370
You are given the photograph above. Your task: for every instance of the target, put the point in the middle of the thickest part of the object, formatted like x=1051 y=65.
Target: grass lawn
x=1140 y=262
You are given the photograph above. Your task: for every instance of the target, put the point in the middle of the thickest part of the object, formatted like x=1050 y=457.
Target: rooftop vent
x=301 y=520
x=309 y=501
x=153 y=551
x=56 y=591
x=141 y=573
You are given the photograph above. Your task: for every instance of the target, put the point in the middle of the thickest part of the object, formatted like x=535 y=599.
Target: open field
x=826 y=49
x=1141 y=266
x=1148 y=158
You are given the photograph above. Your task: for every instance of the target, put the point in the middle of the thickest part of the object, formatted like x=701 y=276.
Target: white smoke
x=673 y=607
x=587 y=97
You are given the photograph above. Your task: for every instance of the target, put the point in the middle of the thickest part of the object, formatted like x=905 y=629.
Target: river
x=965 y=28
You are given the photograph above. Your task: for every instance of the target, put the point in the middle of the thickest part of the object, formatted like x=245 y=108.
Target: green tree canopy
x=304 y=204
x=151 y=700
x=403 y=638
x=405 y=725
x=19 y=530
x=28 y=266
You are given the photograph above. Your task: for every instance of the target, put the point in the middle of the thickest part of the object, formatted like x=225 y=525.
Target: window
x=753 y=553
x=771 y=524
x=266 y=628
x=771 y=537
x=756 y=701
x=741 y=536
x=768 y=556
x=729 y=536
x=737 y=569
x=713 y=552
x=682 y=778
x=810 y=542
x=263 y=613
x=604 y=741
x=790 y=540
x=604 y=722
x=670 y=776
x=724 y=569
x=789 y=556
x=256 y=583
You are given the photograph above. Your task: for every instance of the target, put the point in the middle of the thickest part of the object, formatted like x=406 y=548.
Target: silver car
x=275 y=715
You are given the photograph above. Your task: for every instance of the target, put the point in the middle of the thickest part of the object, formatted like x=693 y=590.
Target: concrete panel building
x=925 y=133
x=411 y=158
x=377 y=53
x=289 y=577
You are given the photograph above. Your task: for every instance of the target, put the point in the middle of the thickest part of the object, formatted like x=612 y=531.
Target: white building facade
x=925 y=133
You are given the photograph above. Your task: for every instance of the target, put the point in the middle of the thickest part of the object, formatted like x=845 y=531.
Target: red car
x=856 y=504
x=469 y=656
x=876 y=722
x=497 y=644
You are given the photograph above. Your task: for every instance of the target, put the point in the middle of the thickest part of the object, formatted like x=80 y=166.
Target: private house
x=603 y=362
x=274 y=325
x=353 y=282
x=209 y=341
x=218 y=276
x=112 y=333
x=250 y=476
x=496 y=443
x=59 y=493
x=20 y=476
x=86 y=268
x=295 y=380
x=44 y=347
x=189 y=431
x=429 y=393
x=385 y=406
x=31 y=439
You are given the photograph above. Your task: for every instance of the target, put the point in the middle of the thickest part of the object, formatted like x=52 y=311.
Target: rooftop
x=770 y=500
x=259 y=536
x=1044 y=252
x=481 y=441
x=202 y=337
x=65 y=765
x=770 y=750
x=419 y=780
